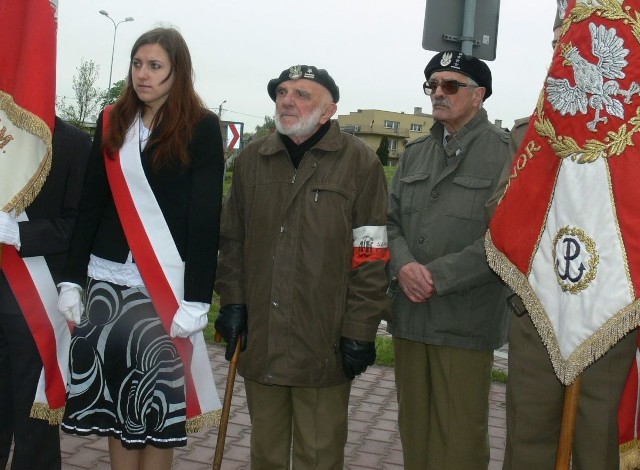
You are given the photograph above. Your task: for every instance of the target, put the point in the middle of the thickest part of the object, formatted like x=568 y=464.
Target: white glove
x=9 y=231
x=70 y=301
x=190 y=318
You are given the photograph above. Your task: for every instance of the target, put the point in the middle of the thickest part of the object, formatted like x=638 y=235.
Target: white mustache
x=440 y=102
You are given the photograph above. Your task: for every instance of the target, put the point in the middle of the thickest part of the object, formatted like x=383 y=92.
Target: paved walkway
x=373 y=442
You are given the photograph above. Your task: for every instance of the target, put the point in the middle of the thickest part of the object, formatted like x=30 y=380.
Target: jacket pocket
x=411 y=201
x=329 y=211
x=469 y=195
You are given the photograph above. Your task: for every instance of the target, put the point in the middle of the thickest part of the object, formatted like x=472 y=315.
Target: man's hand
x=416 y=282
x=70 y=301
x=232 y=325
x=356 y=356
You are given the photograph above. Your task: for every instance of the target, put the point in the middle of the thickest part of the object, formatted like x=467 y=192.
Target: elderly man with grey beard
x=301 y=273
x=448 y=306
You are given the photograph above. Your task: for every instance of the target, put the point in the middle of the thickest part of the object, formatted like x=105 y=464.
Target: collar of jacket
x=437 y=130
x=331 y=142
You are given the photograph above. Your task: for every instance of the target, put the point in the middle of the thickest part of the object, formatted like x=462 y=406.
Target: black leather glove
x=356 y=356
x=232 y=325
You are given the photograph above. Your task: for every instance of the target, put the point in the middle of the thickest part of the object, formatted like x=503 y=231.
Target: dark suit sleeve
x=93 y=200
x=52 y=215
x=205 y=200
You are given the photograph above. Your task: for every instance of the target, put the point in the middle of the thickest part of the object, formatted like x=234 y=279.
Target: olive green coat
x=286 y=248
x=436 y=217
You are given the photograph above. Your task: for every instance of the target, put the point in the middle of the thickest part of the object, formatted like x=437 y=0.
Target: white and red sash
x=36 y=293
x=162 y=270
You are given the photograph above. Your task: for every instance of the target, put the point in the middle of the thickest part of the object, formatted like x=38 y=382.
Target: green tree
x=87 y=96
x=383 y=151
x=116 y=91
x=265 y=128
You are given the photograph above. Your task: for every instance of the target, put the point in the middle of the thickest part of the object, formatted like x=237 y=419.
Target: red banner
x=27 y=98
x=28 y=59
x=566 y=234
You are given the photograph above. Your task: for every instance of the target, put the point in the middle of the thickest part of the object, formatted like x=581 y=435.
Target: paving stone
x=373 y=441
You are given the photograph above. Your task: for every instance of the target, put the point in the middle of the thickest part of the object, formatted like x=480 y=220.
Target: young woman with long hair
x=145 y=248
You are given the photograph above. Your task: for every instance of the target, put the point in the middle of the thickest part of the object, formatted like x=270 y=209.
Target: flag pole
x=568 y=425
x=226 y=406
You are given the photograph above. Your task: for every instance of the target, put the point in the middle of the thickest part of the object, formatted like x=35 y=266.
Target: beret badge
x=446 y=59
x=295 y=72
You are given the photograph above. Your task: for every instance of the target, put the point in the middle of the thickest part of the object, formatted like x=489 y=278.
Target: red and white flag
x=27 y=117
x=27 y=98
x=566 y=234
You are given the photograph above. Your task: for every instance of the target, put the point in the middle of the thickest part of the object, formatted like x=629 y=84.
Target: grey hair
x=472 y=82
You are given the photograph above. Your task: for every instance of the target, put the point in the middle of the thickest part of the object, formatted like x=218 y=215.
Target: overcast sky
x=372 y=48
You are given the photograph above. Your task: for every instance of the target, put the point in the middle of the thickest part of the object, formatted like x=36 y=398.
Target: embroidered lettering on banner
x=521 y=162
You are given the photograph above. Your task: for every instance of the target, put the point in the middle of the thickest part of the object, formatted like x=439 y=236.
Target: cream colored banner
x=25 y=155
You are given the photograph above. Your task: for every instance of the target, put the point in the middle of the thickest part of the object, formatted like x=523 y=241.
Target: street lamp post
x=220 y=109
x=113 y=48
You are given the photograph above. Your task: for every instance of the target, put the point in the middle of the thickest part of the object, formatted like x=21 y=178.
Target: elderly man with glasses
x=448 y=305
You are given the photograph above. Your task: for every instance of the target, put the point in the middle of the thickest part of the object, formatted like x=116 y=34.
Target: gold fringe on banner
x=29 y=122
x=42 y=411
x=630 y=455
x=589 y=351
x=206 y=420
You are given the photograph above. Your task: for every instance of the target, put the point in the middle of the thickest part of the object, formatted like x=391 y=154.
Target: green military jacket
x=286 y=251
x=436 y=217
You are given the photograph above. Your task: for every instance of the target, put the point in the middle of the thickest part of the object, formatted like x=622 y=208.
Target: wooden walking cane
x=568 y=425
x=226 y=406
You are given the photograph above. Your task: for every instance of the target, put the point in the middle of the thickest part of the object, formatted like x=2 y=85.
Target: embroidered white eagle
x=596 y=85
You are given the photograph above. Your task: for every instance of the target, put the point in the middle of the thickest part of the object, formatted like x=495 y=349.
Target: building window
x=391 y=124
x=350 y=129
x=393 y=144
x=416 y=127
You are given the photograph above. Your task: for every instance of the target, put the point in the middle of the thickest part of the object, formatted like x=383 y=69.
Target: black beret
x=468 y=65
x=308 y=72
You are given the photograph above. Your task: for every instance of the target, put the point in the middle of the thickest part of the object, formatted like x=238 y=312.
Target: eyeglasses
x=449 y=87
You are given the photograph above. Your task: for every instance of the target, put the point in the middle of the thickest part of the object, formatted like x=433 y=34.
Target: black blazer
x=52 y=213
x=190 y=200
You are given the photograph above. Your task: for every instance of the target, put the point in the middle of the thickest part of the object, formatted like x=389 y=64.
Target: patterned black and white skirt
x=126 y=376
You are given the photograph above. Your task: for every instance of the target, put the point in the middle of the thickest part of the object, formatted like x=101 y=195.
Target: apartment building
x=371 y=125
